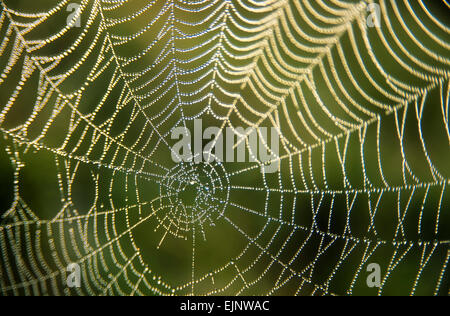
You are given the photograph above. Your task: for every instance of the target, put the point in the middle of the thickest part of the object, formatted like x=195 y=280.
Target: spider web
x=86 y=116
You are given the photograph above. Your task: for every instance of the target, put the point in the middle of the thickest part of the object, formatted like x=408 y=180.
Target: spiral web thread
x=362 y=113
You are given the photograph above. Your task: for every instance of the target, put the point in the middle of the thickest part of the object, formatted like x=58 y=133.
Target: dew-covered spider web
x=89 y=95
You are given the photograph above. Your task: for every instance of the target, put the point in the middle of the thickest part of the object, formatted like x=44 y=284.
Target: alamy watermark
x=74 y=18
x=73 y=275
x=374 y=278
x=374 y=15
x=227 y=145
